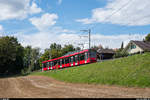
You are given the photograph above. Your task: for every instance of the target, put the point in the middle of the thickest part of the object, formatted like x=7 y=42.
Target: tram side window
x=52 y=63
x=70 y=59
x=47 y=64
x=55 y=62
x=78 y=58
x=82 y=56
x=62 y=61
x=58 y=62
x=86 y=54
x=74 y=59
x=93 y=54
x=66 y=60
x=44 y=65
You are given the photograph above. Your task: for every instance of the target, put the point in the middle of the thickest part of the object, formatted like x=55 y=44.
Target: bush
x=120 y=54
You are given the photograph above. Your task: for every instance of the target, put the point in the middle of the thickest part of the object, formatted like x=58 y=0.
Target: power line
x=109 y=17
x=116 y=11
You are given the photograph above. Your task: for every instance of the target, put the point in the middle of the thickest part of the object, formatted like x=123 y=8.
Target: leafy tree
x=147 y=38
x=122 y=46
x=27 y=56
x=11 y=55
x=55 y=46
x=44 y=57
x=35 y=55
x=77 y=48
x=56 y=51
x=94 y=47
x=67 y=48
x=31 y=59
x=120 y=53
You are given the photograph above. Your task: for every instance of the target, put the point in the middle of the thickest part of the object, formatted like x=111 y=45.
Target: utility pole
x=89 y=38
x=89 y=31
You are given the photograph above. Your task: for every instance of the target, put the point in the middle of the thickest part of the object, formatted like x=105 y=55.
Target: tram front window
x=93 y=54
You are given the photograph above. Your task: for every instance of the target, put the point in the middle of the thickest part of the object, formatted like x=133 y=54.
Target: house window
x=133 y=46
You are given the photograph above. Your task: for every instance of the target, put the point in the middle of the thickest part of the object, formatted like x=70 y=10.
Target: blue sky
x=41 y=22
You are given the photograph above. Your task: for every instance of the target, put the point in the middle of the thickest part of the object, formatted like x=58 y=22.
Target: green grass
x=132 y=71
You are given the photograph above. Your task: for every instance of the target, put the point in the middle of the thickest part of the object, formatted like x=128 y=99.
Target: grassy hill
x=129 y=71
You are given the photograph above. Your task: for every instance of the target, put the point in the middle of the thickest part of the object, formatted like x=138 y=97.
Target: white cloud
x=1 y=28
x=61 y=36
x=59 y=2
x=17 y=9
x=124 y=12
x=34 y=8
x=85 y=20
x=114 y=41
x=45 y=21
x=43 y=39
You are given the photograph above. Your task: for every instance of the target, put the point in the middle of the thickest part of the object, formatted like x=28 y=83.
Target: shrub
x=119 y=54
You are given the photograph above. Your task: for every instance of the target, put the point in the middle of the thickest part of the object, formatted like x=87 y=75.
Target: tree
x=147 y=38
x=67 y=48
x=35 y=55
x=45 y=56
x=27 y=59
x=77 y=48
x=31 y=59
x=11 y=55
x=122 y=46
x=120 y=53
x=56 y=51
x=94 y=47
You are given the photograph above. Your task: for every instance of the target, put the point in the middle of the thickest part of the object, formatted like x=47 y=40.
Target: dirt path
x=45 y=87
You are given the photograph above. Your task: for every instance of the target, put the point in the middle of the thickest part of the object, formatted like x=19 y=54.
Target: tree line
x=16 y=59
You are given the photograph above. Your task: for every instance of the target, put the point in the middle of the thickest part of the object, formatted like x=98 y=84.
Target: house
x=105 y=53
x=137 y=47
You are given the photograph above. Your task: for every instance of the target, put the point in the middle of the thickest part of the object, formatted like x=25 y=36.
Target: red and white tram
x=74 y=59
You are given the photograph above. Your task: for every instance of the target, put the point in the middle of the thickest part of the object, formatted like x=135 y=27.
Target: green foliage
x=95 y=47
x=129 y=71
x=56 y=51
x=11 y=55
x=44 y=57
x=31 y=59
x=147 y=38
x=120 y=53
x=122 y=46
x=67 y=48
x=77 y=48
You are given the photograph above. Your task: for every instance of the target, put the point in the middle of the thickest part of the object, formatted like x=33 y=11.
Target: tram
x=70 y=60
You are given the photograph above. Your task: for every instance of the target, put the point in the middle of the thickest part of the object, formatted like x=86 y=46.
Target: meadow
x=131 y=71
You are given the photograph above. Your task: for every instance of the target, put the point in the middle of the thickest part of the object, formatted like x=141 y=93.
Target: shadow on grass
x=12 y=75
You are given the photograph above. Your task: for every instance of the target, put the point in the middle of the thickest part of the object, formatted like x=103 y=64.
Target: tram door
x=60 y=63
x=52 y=65
x=47 y=64
x=86 y=57
x=76 y=59
x=72 y=61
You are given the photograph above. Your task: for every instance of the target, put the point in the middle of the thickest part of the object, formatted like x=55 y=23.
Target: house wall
x=135 y=50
